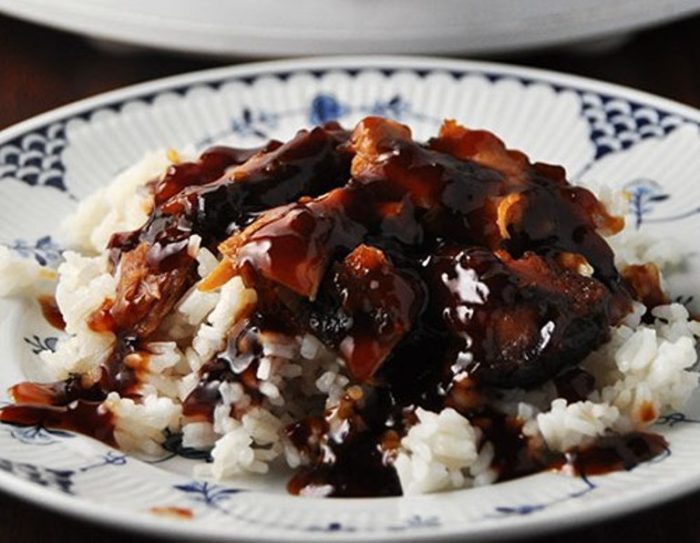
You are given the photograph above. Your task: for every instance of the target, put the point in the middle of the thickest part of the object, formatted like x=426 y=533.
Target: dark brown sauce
x=358 y=470
x=514 y=455
x=237 y=363
x=347 y=455
x=79 y=416
x=645 y=281
x=210 y=166
x=439 y=272
x=616 y=453
x=51 y=312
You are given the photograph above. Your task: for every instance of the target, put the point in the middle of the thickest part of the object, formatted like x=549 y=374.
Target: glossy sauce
x=616 y=453
x=51 y=312
x=439 y=273
x=80 y=416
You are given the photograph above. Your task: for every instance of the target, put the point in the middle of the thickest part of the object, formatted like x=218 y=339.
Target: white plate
x=310 y=27
x=598 y=131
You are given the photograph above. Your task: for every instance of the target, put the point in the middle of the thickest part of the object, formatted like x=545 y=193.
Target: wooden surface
x=41 y=69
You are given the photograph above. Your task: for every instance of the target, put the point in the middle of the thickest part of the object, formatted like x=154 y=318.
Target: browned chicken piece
x=520 y=321
x=483 y=194
x=144 y=298
x=295 y=245
x=380 y=304
x=457 y=198
x=154 y=264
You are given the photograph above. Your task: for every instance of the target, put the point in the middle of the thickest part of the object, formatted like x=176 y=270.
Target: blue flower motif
x=254 y=123
x=324 y=108
x=61 y=480
x=110 y=459
x=644 y=195
x=520 y=509
x=395 y=108
x=672 y=419
x=416 y=522
x=39 y=345
x=530 y=508
x=45 y=251
x=37 y=435
x=330 y=527
x=209 y=494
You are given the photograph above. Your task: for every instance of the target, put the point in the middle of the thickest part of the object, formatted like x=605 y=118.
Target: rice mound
x=643 y=372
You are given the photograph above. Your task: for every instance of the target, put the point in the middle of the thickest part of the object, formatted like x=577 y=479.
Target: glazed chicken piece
x=154 y=264
x=520 y=321
x=377 y=304
x=295 y=245
x=476 y=191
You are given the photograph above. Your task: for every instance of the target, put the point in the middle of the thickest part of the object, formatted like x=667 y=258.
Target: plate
x=310 y=27
x=646 y=145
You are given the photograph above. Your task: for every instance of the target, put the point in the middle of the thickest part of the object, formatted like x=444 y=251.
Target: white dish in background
x=310 y=27
x=649 y=145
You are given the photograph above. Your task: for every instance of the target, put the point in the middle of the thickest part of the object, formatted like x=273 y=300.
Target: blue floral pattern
x=530 y=508
x=215 y=497
x=45 y=251
x=672 y=419
x=207 y=493
x=254 y=123
x=111 y=458
x=61 y=480
x=174 y=447
x=644 y=195
x=38 y=344
x=38 y=435
x=324 y=108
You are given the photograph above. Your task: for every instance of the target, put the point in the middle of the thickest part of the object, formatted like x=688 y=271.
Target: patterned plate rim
x=520 y=526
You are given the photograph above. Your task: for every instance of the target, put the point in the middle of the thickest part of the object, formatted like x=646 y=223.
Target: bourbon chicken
x=438 y=273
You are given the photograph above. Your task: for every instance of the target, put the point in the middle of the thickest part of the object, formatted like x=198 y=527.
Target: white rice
x=440 y=452
x=83 y=285
x=121 y=206
x=642 y=373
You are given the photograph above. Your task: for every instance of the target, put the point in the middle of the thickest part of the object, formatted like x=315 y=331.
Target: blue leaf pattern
x=207 y=493
x=644 y=195
x=38 y=345
x=528 y=509
x=45 y=251
x=38 y=435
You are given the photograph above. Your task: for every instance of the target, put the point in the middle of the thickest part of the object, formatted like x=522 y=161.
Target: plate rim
x=527 y=525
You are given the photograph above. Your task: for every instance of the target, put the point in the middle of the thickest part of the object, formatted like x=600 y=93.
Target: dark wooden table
x=41 y=69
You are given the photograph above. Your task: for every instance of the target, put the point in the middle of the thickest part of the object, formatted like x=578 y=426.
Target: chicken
x=520 y=321
x=154 y=264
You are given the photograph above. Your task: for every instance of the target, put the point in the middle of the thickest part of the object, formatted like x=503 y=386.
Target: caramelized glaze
x=51 y=312
x=440 y=273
